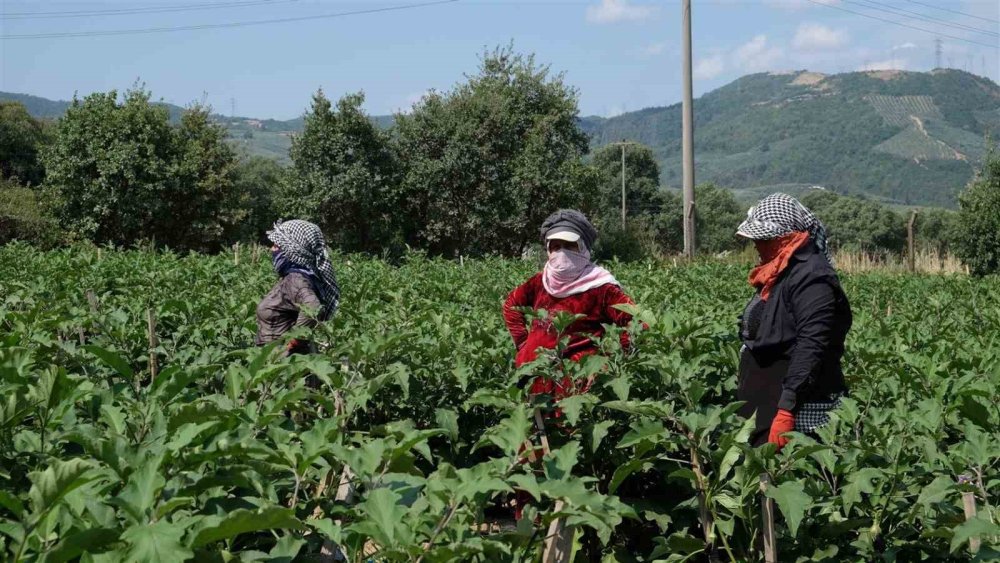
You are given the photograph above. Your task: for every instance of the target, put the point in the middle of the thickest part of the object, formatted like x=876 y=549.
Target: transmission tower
x=937 y=52
x=232 y=107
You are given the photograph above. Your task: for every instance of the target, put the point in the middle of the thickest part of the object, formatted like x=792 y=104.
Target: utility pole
x=687 y=145
x=623 y=185
x=623 y=144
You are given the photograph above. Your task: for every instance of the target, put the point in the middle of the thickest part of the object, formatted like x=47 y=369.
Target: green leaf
x=75 y=544
x=936 y=491
x=860 y=481
x=448 y=420
x=11 y=503
x=573 y=406
x=243 y=521
x=600 y=430
x=144 y=484
x=792 y=501
x=974 y=527
x=112 y=360
x=59 y=479
x=624 y=471
x=158 y=542
x=383 y=513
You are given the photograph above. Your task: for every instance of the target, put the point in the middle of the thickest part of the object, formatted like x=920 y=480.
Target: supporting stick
x=151 y=332
x=969 y=506
x=236 y=254
x=559 y=538
x=767 y=515
x=911 y=257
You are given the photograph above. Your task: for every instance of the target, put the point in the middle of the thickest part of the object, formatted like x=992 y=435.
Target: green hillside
x=911 y=138
x=905 y=137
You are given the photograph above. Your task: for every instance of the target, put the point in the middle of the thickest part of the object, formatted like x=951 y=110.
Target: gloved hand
x=783 y=422
x=296 y=346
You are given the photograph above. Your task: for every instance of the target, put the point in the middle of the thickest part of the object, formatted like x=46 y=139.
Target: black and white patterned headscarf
x=302 y=242
x=779 y=214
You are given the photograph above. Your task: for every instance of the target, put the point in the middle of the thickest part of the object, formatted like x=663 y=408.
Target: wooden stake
x=559 y=538
x=969 y=506
x=767 y=515
x=911 y=257
x=236 y=254
x=151 y=332
x=92 y=300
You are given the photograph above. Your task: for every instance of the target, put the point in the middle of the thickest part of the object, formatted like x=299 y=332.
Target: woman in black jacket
x=794 y=327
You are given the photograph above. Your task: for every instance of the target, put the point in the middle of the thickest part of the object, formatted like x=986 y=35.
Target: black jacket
x=795 y=344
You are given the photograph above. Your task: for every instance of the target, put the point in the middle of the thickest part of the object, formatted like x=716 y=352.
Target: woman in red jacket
x=569 y=282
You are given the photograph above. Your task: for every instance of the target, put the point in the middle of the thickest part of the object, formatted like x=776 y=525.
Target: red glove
x=296 y=346
x=783 y=422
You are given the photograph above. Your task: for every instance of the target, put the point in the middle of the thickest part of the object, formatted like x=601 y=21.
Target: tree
x=642 y=179
x=25 y=216
x=718 y=215
x=122 y=173
x=200 y=194
x=21 y=138
x=258 y=182
x=343 y=175
x=856 y=223
x=488 y=161
x=977 y=237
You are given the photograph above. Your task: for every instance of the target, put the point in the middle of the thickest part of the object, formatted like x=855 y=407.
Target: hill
x=911 y=138
x=903 y=137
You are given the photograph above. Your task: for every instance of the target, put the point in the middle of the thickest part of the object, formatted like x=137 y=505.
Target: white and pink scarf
x=568 y=272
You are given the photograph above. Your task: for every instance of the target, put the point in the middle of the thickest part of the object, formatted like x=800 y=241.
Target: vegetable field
x=234 y=453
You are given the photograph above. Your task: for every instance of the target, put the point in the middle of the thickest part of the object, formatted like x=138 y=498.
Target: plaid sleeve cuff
x=787 y=400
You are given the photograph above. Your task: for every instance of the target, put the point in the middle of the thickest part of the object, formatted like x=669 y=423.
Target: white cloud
x=655 y=48
x=890 y=64
x=798 y=4
x=612 y=11
x=707 y=69
x=756 y=55
x=817 y=37
x=906 y=45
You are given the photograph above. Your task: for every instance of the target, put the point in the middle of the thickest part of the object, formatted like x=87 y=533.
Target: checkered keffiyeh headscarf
x=779 y=214
x=302 y=242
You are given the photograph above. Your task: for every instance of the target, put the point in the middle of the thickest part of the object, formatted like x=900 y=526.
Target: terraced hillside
x=905 y=137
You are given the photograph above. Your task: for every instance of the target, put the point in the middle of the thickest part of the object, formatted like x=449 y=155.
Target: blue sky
x=622 y=55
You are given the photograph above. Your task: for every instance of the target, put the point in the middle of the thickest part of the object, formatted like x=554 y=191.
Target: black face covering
x=282 y=265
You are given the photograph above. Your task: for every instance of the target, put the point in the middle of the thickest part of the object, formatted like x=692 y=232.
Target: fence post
x=969 y=506
x=767 y=516
x=910 y=257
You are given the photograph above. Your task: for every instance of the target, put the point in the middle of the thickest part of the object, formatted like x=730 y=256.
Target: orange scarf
x=774 y=257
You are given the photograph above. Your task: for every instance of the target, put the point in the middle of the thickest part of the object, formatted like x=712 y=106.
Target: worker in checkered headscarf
x=793 y=329
x=307 y=290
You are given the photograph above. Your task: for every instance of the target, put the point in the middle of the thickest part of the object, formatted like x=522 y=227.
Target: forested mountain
x=907 y=137
x=903 y=137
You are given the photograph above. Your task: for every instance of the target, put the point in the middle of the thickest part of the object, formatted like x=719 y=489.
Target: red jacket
x=597 y=304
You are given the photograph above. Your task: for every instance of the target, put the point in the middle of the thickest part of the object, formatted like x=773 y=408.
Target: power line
x=221 y=25
x=133 y=11
x=894 y=22
x=919 y=16
x=953 y=11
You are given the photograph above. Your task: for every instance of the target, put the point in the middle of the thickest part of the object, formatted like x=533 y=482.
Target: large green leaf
x=157 y=542
x=243 y=521
x=76 y=543
x=792 y=501
x=50 y=486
